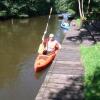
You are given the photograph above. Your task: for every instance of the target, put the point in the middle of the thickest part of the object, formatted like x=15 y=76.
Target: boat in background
x=65 y=25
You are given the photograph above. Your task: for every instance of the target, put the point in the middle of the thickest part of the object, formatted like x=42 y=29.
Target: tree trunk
x=88 y=6
x=80 y=10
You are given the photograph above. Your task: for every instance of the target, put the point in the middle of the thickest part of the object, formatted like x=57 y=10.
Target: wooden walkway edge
x=64 y=80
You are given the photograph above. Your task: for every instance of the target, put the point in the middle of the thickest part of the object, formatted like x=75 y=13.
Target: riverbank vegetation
x=91 y=62
x=28 y=8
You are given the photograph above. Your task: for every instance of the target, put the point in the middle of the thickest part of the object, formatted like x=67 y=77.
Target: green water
x=19 y=42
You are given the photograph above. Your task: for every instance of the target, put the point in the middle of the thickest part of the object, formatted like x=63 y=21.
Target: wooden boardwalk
x=64 y=78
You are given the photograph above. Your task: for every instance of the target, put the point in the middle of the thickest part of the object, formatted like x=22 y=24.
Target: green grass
x=79 y=22
x=91 y=62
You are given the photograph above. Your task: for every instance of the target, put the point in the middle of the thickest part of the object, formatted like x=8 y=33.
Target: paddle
x=41 y=47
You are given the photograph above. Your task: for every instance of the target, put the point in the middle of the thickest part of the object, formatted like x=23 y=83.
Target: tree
x=88 y=6
x=81 y=11
x=84 y=8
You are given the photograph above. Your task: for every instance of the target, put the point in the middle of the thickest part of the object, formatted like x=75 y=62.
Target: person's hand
x=45 y=32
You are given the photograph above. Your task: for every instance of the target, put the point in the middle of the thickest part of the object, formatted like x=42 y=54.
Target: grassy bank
x=91 y=62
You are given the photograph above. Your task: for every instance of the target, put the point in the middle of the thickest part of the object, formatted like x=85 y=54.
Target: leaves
x=41 y=7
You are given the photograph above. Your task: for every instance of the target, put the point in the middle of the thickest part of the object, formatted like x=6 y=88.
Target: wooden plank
x=67 y=62
x=68 y=72
x=67 y=58
x=67 y=67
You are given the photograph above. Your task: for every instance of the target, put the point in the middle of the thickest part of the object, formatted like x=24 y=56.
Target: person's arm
x=42 y=46
x=58 y=45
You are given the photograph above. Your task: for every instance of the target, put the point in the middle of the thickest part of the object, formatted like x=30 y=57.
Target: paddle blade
x=41 y=48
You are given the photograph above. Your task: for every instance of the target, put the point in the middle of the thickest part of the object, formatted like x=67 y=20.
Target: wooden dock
x=64 y=78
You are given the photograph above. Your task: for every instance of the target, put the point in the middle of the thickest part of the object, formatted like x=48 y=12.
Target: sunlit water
x=19 y=42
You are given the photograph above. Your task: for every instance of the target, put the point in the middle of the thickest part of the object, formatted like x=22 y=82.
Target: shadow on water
x=19 y=41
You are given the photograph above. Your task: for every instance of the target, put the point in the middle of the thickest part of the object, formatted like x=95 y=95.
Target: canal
x=19 y=42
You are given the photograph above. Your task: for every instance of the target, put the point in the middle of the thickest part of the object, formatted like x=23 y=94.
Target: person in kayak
x=51 y=44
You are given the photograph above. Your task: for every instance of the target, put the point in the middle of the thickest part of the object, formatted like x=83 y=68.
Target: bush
x=91 y=62
x=3 y=13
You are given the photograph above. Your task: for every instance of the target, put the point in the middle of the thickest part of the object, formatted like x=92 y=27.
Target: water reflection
x=38 y=75
x=19 y=41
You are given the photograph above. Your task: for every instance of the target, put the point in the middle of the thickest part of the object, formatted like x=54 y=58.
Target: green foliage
x=61 y=6
x=71 y=11
x=79 y=22
x=3 y=13
x=41 y=7
x=25 y=7
x=91 y=62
